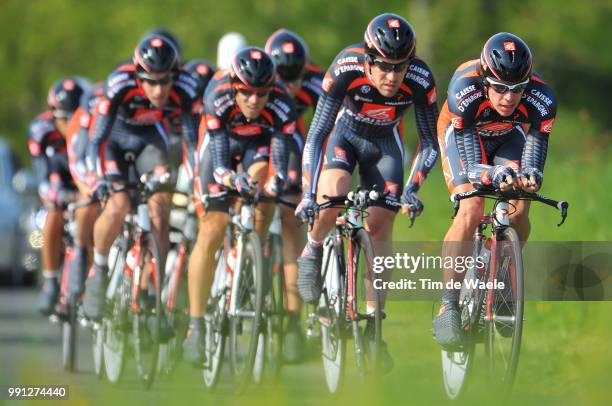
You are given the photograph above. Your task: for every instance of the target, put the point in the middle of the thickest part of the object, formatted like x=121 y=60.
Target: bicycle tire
x=251 y=270
x=498 y=329
x=146 y=326
x=112 y=332
x=457 y=365
x=69 y=337
x=175 y=290
x=365 y=246
x=275 y=310
x=332 y=311
x=216 y=323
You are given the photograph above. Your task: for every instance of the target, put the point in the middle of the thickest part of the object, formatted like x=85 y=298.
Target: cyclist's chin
x=388 y=90
x=159 y=103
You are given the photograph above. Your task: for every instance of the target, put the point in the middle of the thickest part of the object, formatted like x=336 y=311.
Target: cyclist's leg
x=213 y=220
x=110 y=222
x=447 y=324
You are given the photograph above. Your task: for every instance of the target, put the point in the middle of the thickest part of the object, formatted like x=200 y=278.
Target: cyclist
x=493 y=132
x=47 y=145
x=248 y=120
x=366 y=91
x=129 y=123
x=77 y=139
x=229 y=45
x=303 y=83
x=202 y=72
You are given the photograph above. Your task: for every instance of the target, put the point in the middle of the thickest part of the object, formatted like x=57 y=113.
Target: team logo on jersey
x=497 y=127
x=34 y=148
x=327 y=82
x=391 y=187
x=214 y=188
x=547 y=125
x=365 y=89
x=340 y=155
x=378 y=112
x=457 y=122
x=393 y=23
x=509 y=46
x=147 y=116
x=256 y=55
x=213 y=123
x=103 y=106
x=247 y=130
x=157 y=42
x=432 y=96
x=289 y=128
x=288 y=47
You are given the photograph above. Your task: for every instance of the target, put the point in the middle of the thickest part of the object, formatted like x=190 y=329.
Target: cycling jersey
x=47 y=147
x=307 y=96
x=77 y=134
x=350 y=98
x=223 y=119
x=468 y=123
x=125 y=104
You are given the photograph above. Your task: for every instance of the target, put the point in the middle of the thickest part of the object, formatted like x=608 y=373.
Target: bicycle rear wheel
x=216 y=323
x=504 y=331
x=69 y=337
x=332 y=311
x=245 y=324
x=146 y=323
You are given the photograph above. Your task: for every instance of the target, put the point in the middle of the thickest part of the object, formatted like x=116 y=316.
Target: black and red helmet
x=507 y=58
x=200 y=70
x=253 y=67
x=289 y=52
x=170 y=36
x=390 y=36
x=65 y=95
x=156 y=54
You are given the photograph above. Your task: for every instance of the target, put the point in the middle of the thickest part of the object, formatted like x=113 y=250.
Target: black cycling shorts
x=244 y=151
x=380 y=159
x=146 y=146
x=502 y=150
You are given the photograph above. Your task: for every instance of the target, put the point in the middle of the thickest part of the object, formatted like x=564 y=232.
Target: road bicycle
x=491 y=313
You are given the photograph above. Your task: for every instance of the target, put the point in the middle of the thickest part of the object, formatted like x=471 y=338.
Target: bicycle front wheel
x=505 y=327
x=245 y=323
x=332 y=311
x=146 y=323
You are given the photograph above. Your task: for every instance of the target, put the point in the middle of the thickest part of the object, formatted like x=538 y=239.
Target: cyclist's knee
x=380 y=223
x=211 y=229
x=470 y=213
x=117 y=207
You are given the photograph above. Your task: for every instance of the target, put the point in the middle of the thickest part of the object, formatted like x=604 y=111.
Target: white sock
x=49 y=274
x=99 y=259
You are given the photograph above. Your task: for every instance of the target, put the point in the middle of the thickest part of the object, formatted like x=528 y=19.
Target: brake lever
x=564 y=206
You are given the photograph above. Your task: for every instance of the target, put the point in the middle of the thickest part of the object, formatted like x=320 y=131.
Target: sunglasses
x=503 y=88
x=159 y=81
x=250 y=92
x=389 y=67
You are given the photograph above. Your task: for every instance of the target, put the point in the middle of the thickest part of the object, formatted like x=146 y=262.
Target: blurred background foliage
x=43 y=40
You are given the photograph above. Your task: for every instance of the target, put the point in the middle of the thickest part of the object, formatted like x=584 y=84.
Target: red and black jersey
x=347 y=80
x=125 y=100
x=468 y=107
x=44 y=142
x=221 y=113
x=308 y=95
x=351 y=99
x=223 y=119
x=469 y=111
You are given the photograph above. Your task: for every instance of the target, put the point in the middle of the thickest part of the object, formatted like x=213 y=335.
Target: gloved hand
x=531 y=179
x=242 y=183
x=411 y=203
x=307 y=207
x=276 y=185
x=503 y=177
x=101 y=190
